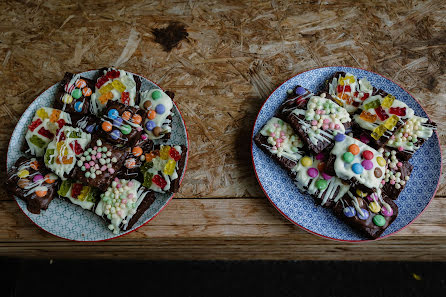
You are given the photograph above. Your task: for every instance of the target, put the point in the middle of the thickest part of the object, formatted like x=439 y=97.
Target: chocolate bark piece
x=379 y=117
x=291 y=146
x=94 y=172
x=29 y=180
x=115 y=85
x=121 y=124
x=357 y=163
x=158 y=106
x=133 y=201
x=296 y=98
x=370 y=216
x=397 y=174
x=74 y=95
x=88 y=123
x=347 y=90
x=43 y=128
x=78 y=194
x=410 y=137
x=135 y=159
x=163 y=167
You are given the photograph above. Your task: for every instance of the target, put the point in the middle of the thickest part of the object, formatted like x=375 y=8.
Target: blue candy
x=160 y=109
x=150 y=125
x=115 y=134
x=357 y=168
x=349 y=211
x=117 y=122
x=300 y=91
x=113 y=114
x=90 y=128
x=78 y=106
x=365 y=214
x=339 y=137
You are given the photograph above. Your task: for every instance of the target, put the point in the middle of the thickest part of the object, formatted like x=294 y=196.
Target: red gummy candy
x=381 y=113
x=45 y=133
x=34 y=124
x=112 y=74
x=399 y=111
x=62 y=136
x=174 y=154
x=125 y=98
x=365 y=96
x=76 y=147
x=356 y=94
x=159 y=181
x=342 y=89
x=61 y=123
x=101 y=81
x=76 y=190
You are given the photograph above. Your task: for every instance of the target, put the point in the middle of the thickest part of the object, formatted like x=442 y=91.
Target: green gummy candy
x=48 y=154
x=91 y=197
x=374 y=104
x=64 y=188
x=147 y=179
x=75 y=134
x=147 y=165
x=37 y=141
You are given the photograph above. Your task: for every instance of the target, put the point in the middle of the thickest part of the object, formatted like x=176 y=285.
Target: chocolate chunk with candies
x=135 y=159
x=396 y=175
x=158 y=105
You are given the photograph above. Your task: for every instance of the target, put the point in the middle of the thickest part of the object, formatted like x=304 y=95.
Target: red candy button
x=368 y=155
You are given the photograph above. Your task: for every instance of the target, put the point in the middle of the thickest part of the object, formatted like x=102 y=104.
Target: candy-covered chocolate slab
x=29 y=180
x=317 y=121
x=64 y=150
x=79 y=194
x=123 y=203
x=278 y=140
x=136 y=157
x=74 y=95
x=297 y=97
x=347 y=90
x=43 y=127
x=162 y=167
x=310 y=177
x=397 y=174
x=99 y=164
x=354 y=161
x=158 y=121
x=88 y=123
x=370 y=214
x=411 y=136
x=121 y=124
x=381 y=116
x=115 y=85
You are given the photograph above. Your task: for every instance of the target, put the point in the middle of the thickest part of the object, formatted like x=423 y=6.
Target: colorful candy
x=399 y=111
x=117 y=122
x=367 y=116
x=387 y=212
x=174 y=154
x=348 y=157
x=306 y=161
x=115 y=134
x=164 y=152
x=374 y=207
x=126 y=129
x=349 y=211
x=77 y=93
x=357 y=168
x=388 y=101
x=78 y=106
x=41 y=113
x=126 y=115
x=23 y=173
x=169 y=168
x=105 y=89
x=367 y=164
x=354 y=149
x=113 y=113
x=300 y=91
x=368 y=155
x=381 y=113
x=381 y=161
x=106 y=126
x=379 y=220
x=156 y=95
x=67 y=99
x=321 y=184
x=372 y=105
x=160 y=109
x=159 y=181
x=136 y=119
x=150 y=125
x=312 y=172
x=41 y=191
x=35 y=124
x=378 y=172
x=80 y=83
x=339 y=137
x=130 y=163
x=118 y=85
x=137 y=151
x=378 y=132
x=364 y=214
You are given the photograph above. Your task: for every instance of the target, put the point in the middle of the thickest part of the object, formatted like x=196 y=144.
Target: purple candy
x=367 y=164
x=115 y=134
x=326 y=176
x=339 y=137
x=37 y=178
x=365 y=214
x=300 y=91
x=364 y=138
x=320 y=156
x=90 y=128
x=386 y=212
x=117 y=122
x=312 y=172
x=150 y=125
x=372 y=197
x=160 y=109
x=349 y=211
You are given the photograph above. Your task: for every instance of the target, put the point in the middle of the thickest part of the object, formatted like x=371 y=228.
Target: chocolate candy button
x=379 y=220
x=78 y=106
x=117 y=122
x=160 y=109
x=150 y=125
x=321 y=184
x=357 y=168
x=365 y=214
x=378 y=172
x=156 y=95
x=77 y=93
x=113 y=113
x=115 y=134
x=126 y=129
x=147 y=104
x=156 y=131
x=349 y=211
x=339 y=137
x=348 y=157
x=300 y=91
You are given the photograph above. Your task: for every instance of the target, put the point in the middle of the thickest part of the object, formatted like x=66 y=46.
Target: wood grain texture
x=235 y=55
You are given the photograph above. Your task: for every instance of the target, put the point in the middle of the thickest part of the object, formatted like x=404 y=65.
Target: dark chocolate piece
x=30 y=181
x=135 y=159
x=296 y=98
x=396 y=176
x=88 y=123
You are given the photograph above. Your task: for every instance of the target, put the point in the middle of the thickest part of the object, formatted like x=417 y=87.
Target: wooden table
x=234 y=56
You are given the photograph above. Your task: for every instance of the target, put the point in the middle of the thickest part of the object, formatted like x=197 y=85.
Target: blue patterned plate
x=67 y=220
x=300 y=209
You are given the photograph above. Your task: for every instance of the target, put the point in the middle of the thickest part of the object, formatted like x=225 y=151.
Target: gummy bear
x=64 y=160
x=343 y=96
x=45 y=133
x=378 y=132
x=129 y=83
x=76 y=190
x=169 y=168
x=84 y=192
x=159 y=181
x=105 y=89
x=399 y=111
x=373 y=104
x=365 y=96
x=367 y=116
x=349 y=79
x=118 y=85
x=164 y=152
x=34 y=124
x=147 y=179
x=174 y=154
x=41 y=113
x=387 y=101
x=391 y=122
x=76 y=147
x=61 y=136
x=343 y=89
x=381 y=113
x=64 y=188
x=75 y=134
x=61 y=123
x=48 y=156
x=101 y=81
x=125 y=98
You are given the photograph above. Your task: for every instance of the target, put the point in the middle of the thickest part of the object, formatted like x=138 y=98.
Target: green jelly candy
x=91 y=197
x=77 y=93
x=64 y=188
x=348 y=157
x=321 y=184
x=379 y=220
x=147 y=165
x=37 y=141
x=125 y=129
x=156 y=95
x=374 y=104
x=147 y=179
x=75 y=134
x=48 y=154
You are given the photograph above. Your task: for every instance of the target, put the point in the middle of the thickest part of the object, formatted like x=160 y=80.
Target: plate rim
x=127 y=232
x=313 y=232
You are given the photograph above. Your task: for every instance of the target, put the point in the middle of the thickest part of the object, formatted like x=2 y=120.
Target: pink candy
x=318 y=111
x=273 y=134
x=282 y=133
x=95 y=148
x=337 y=127
x=124 y=201
x=399 y=164
x=144 y=137
x=326 y=121
x=87 y=166
x=118 y=186
x=322 y=111
x=312 y=172
x=392 y=182
x=400 y=148
x=116 y=179
x=332 y=125
x=386 y=212
x=326 y=176
x=383 y=182
x=324 y=126
x=367 y=164
x=91 y=163
x=130 y=196
x=96 y=166
x=130 y=184
x=406 y=135
x=103 y=168
x=93 y=157
x=313 y=122
x=111 y=170
x=98 y=155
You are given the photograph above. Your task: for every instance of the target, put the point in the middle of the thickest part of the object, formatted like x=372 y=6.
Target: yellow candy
x=105 y=89
x=381 y=161
x=378 y=132
x=23 y=173
x=41 y=113
x=84 y=193
x=118 y=85
x=374 y=207
x=338 y=101
x=164 y=152
x=61 y=146
x=349 y=79
x=169 y=168
x=306 y=161
x=361 y=193
x=387 y=101
x=391 y=122
x=67 y=99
